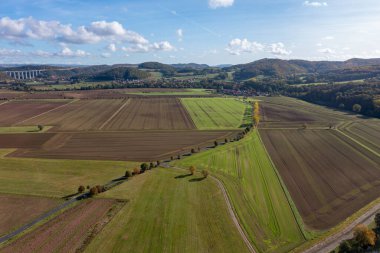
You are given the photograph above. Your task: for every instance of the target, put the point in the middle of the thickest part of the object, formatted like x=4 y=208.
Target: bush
x=136 y=171
x=151 y=166
x=192 y=170
x=144 y=167
x=93 y=191
x=88 y=187
x=100 y=188
x=205 y=173
x=81 y=189
x=192 y=151
x=128 y=174
x=215 y=143
x=40 y=127
x=158 y=163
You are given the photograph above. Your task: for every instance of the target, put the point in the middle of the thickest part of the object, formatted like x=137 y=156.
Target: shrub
x=88 y=187
x=215 y=143
x=192 y=151
x=81 y=189
x=205 y=173
x=364 y=236
x=136 y=171
x=151 y=166
x=128 y=174
x=100 y=188
x=93 y=191
x=192 y=170
x=40 y=127
x=144 y=167
x=158 y=163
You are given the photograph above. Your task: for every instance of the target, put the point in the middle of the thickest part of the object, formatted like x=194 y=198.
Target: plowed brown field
x=17 y=210
x=65 y=233
x=79 y=115
x=153 y=113
x=16 y=111
x=129 y=146
x=328 y=175
x=24 y=140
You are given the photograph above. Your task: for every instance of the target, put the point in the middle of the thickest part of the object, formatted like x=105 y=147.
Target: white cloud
x=10 y=52
x=105 y=55
x=145 y=48
x=220 y=3
x=67 y=52
x=315 y=4
x=238 y=46
x=279 y=49
x=30 y=28
x=179 y=34
x=328 y=38
x=326 y=51
x=112 y=47
x=377 y=51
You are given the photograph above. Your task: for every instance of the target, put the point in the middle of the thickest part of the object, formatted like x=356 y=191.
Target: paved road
x=334 y=240
x=229 y=207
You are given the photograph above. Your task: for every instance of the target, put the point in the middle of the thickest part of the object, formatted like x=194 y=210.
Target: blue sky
x=177 y=31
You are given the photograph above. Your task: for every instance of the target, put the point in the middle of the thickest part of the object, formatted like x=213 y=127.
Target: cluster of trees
x=192 y=170
x=120 y=73
x=365 y=239
x=360 y=98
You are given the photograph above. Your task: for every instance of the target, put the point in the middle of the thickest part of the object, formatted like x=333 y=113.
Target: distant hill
x=120 y=73
x=195 y=66
x=165 y=69
x=283 y=68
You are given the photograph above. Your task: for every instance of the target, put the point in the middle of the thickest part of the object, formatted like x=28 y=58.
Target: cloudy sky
x=178 y=31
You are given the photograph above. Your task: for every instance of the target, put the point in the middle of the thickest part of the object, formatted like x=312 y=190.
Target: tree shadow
x=182 y=176
x=70 y=195
x=197 y=179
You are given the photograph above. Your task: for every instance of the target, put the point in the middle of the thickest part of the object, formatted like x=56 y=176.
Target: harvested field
x=24 y=140
x=67 y=232
x=128 y=146
x=367 y=133
x=324 y=172
x=79 y=115
x=16 y=111
x=154 y=113
x=17 y=210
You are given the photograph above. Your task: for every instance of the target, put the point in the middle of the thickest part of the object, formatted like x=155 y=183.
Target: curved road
x=334 y=240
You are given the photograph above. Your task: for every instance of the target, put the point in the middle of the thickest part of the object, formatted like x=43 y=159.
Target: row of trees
x=365 y=239
x=192 y=170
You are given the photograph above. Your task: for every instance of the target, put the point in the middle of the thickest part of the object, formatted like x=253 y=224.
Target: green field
x=217 y=113
x=187 y=92
x=169 y=214
x=54 y=178
x=255 y=191
x=23 y=129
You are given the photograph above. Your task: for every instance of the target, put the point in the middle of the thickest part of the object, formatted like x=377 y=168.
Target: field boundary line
x=230 y=208
x=75 y=100
x=115 y=114
x=358 y=142
x=4 y=102
x=292 y=205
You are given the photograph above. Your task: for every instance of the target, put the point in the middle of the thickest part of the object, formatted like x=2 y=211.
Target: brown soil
x=328 y=176
x=17 y=210
x=128 y=146
x=16 y=111
x=32 y=140
x=67 y=232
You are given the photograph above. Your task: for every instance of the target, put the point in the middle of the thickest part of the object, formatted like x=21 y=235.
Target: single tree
x=192 y=170
x=101 y=188
x=215 y=143
x=151 y=165
x=88 y=187
x=158 y=163
x=192 y=151
x=356 y=108
x=81 y=189
x=136 y=171
x=128 y=174
x=93 y=191
x=171 y=158
x=144 y=167
x=225 y=140
x=40 y=127
x=364 y=236
x=179 y=157
x=205 y=173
